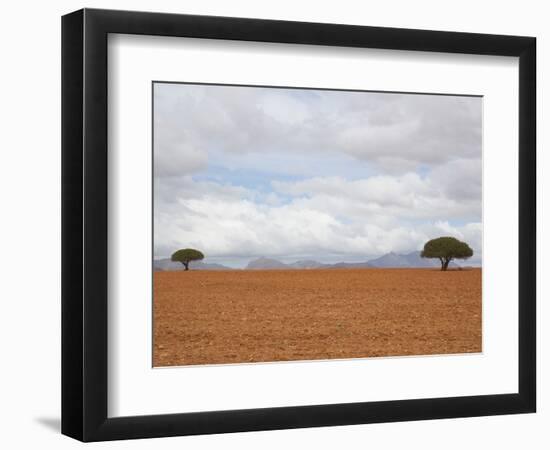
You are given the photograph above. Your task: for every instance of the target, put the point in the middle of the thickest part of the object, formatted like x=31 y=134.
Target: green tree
x=186 y=255
x=446 y=249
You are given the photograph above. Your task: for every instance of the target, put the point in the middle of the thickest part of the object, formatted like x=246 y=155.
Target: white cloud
x=398 y=132
x=244 y=172
x=407 y=196
x=225 y=221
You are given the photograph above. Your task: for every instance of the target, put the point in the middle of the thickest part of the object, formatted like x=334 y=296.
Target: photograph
x=304 y=224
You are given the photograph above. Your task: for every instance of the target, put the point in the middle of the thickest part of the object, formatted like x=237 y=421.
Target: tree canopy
x=186 y=255
x=446 y=249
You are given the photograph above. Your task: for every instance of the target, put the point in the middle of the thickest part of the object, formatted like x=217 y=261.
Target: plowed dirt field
x=242 y=316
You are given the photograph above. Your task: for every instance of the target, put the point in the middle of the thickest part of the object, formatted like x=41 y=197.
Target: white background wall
x=30 y=225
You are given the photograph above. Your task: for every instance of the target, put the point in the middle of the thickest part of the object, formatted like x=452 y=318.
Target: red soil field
x=243 y=316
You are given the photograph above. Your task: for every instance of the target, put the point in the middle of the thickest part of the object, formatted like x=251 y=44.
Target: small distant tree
x=186 y=255
x=446 y=249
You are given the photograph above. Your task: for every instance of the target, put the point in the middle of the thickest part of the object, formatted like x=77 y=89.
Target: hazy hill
x=266 y=263
x=413 y=259
x=307 y=264
x=389 y=260
x=166 y=264
x=270 y=263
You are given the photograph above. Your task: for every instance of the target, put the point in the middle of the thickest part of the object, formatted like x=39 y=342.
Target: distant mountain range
x=167 y=264
x=413 y=259
x=269 y=263
x=389 y=260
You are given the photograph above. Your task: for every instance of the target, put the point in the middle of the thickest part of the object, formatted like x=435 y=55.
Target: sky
x=246 y=172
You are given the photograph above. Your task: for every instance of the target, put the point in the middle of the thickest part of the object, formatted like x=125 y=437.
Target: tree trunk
x=445 y=264
x=186 y=264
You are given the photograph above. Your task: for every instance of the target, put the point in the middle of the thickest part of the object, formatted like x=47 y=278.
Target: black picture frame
x=84 y=224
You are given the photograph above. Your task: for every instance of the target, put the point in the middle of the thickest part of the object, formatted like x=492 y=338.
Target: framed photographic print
x=267 y=224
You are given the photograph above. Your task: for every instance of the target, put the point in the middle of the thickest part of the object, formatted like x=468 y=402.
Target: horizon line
x=290 y=261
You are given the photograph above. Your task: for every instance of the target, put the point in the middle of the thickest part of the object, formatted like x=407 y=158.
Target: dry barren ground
x=216 y=317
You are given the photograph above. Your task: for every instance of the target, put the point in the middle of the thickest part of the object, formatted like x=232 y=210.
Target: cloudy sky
x=244 y=172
